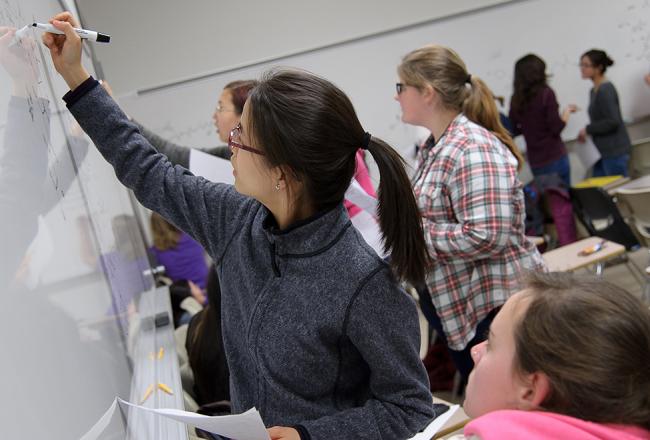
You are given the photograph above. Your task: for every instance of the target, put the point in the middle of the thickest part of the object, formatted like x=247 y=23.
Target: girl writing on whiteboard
x=469 y=196
x=318 y=335
x=226 y=115
x=606 y=126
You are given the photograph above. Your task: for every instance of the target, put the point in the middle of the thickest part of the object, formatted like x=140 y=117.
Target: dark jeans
x=560 y=167
x=462 y=359
x=612 y=166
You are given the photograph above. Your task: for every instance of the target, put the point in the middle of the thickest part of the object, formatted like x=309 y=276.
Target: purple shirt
x=541 y=125
x=186 y=261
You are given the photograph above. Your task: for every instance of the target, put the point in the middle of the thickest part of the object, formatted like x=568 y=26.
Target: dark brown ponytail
x=309 y=126
x=399 y=216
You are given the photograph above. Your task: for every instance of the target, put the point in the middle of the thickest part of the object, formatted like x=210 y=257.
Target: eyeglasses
x=586 y=65
x=400 y=87
x=220 y=109
x=234 y=141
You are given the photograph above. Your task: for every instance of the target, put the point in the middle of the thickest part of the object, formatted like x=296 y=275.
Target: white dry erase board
x=71 y=259
x=490 y=40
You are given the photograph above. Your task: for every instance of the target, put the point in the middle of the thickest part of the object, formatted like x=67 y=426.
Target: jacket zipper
x=274 y=264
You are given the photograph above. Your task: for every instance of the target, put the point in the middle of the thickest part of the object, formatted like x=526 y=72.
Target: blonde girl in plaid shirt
x=470 y=197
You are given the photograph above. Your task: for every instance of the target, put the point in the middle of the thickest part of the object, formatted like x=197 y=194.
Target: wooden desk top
x=642 y=182
x=566 y=258
x=458 y=419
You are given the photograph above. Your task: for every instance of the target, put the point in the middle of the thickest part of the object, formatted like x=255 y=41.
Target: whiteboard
x=72 y=260
x=490 y=41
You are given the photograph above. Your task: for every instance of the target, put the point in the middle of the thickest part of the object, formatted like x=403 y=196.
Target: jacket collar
x=310 y=236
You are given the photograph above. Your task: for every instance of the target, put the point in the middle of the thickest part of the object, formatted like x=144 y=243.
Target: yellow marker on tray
x=146 y=394
x=161 y=353
x=165 y=388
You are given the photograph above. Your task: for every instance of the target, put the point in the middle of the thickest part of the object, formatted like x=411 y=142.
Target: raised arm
x=209 y=212
x=177 y=154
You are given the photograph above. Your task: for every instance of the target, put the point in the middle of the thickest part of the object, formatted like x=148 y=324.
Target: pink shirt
x=363 y=177
x=538 y=425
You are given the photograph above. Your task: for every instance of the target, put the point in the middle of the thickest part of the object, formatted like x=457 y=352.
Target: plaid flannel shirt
x=472 y=207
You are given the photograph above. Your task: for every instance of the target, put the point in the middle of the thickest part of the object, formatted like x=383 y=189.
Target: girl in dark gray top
x=317 y=333
x=606 y=128
x=226 y=116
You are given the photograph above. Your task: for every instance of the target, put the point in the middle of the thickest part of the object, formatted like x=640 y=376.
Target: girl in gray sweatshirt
x=317 y=332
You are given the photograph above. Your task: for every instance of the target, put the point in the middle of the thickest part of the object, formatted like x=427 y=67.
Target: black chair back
x=599 y=214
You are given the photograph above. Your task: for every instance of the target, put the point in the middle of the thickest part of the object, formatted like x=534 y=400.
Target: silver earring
x=277 y=186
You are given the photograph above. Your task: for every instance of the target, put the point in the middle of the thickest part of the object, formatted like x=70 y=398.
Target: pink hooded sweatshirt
x=537 y=425
x=363 y=177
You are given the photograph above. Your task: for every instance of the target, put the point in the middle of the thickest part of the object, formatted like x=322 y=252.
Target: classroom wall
x=489 y=39
x=181 y=40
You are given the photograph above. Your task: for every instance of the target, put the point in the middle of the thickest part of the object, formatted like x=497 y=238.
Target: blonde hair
x=165 y=235
x=442 y=69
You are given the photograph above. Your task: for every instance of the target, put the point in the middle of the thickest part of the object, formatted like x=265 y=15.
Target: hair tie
x=365 y=143
x=468 y=80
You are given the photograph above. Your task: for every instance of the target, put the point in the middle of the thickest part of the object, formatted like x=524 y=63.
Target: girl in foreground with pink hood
x=566 y=358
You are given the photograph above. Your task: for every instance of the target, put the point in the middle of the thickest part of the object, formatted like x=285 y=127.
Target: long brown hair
x=592 y=340
x=308 y=125
x=442 y=69
x=530 y=79
x=165 y=235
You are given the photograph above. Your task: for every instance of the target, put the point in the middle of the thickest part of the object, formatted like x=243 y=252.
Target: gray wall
x=158 y=41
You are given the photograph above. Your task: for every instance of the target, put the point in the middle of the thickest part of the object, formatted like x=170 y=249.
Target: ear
x=428 y=93
x=279 y=179
x=533 y=391
x=285 y=178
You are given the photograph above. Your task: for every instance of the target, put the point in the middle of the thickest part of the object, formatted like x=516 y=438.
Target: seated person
x=183 y=258
x=566 y=358
x=204 y=345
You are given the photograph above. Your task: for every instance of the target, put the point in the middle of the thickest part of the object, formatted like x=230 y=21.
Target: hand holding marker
x=83 y=33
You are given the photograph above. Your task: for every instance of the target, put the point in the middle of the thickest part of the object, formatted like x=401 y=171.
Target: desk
x=640 y=183
x=608 y=183
x=566 y=258
x=458 y=419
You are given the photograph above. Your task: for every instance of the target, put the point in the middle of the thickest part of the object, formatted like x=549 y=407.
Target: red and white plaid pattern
x=473 y=213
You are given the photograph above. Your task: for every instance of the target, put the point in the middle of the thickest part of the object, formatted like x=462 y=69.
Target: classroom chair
x=640 y=158
x=636 y=204
x=597 y=211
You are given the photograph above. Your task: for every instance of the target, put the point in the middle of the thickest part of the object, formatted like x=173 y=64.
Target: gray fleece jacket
x=607 y=127
x=178 y=154
x=317 y=332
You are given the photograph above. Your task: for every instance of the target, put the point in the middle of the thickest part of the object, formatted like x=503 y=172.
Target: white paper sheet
x=587 y=153
x=357 y=195
x=101 y=424
x=245 y=426
x=211 y=167
x=436 y=425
